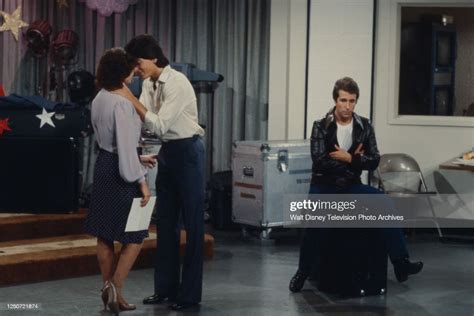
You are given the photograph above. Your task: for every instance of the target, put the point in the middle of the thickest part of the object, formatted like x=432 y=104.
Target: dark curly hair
x=347 y=84
x=146 y=46
x=114 y=66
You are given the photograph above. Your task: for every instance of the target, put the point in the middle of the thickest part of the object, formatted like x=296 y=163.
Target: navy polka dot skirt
x=111 y=201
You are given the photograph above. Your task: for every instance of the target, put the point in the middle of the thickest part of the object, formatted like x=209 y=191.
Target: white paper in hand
x=139 y=217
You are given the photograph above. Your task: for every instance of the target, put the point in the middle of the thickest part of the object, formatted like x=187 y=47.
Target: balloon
x=107 y=7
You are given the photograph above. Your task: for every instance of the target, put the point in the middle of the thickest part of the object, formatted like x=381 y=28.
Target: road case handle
x=283 y=160
x=247 y=171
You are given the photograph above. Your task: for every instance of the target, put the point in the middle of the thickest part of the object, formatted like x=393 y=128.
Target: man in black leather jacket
x=346 y=171
x=342 y=145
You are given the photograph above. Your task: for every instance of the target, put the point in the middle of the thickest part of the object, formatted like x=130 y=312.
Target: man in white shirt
x=167 y=107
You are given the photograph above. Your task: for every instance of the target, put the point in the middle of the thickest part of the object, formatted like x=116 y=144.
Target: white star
x=45 y=118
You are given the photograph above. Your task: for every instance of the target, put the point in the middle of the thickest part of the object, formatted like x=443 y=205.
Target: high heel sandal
x=112 y=302
x=105 y=295
x=124 y=306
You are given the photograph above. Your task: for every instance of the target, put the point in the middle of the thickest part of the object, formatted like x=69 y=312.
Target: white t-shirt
x=344 y=135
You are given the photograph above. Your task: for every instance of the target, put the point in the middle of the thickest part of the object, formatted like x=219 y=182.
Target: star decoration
x=45 y=118
x=12 y=22
x=62 y=3
x=4 y=126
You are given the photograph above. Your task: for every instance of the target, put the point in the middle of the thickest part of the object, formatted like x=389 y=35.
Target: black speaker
x=39 y=175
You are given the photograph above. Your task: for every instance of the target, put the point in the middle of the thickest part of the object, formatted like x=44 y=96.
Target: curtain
x=230 y=37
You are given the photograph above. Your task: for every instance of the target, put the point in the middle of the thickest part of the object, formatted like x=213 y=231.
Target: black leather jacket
x=328 y=171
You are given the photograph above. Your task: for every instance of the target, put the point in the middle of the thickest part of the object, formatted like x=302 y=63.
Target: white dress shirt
x=171 y=104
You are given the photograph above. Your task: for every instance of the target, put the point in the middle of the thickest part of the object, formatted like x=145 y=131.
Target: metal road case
x=263 y=172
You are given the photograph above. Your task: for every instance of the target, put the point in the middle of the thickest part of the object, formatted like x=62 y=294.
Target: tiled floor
x=251 y=278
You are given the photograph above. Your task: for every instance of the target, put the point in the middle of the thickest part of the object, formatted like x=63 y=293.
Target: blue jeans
x=313 y=237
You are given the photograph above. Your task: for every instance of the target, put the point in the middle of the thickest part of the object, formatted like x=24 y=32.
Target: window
x=436 y=75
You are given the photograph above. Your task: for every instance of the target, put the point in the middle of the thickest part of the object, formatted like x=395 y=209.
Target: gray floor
x=251 y=278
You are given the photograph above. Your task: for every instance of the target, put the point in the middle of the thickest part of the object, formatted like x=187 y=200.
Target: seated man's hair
x=146 y=46
x=114 y=66
x=347 y=84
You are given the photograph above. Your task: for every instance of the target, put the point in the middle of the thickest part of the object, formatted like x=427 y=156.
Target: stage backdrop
x=228 y=37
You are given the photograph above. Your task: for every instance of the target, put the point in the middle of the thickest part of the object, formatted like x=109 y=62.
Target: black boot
x=403 y=268
x=297 y=281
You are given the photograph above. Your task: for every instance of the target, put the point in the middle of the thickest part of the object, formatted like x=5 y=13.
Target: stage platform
x=42 y=247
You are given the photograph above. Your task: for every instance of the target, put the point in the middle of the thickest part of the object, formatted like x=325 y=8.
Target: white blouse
x=117 y=128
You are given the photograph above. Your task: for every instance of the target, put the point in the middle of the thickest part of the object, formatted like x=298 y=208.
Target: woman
x=119 y=176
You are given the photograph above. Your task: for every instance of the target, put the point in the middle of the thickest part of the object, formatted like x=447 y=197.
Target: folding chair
x=400 y=175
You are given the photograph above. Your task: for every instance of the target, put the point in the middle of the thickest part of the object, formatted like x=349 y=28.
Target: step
x=54 y=258
x=30 y=226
